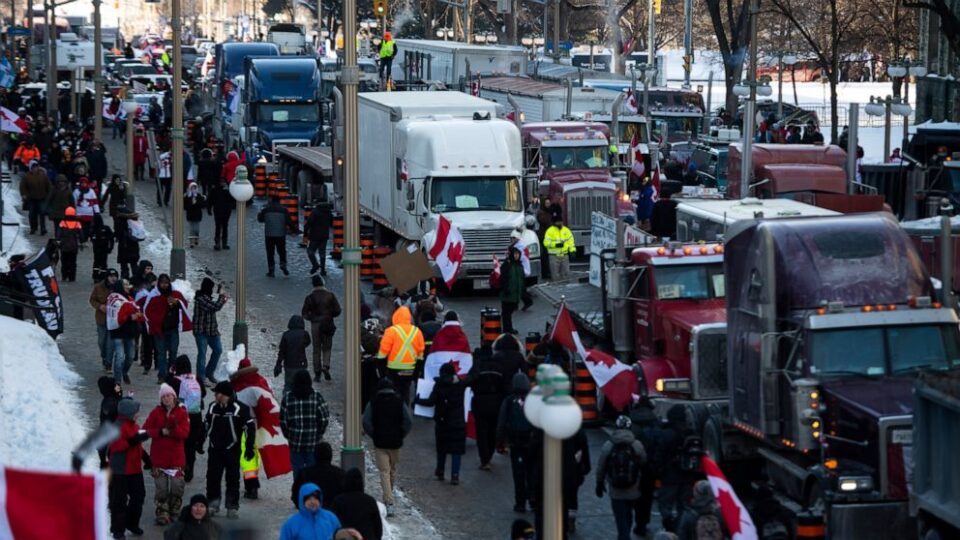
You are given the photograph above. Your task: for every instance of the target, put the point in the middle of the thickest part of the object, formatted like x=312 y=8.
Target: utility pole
x=97 y=73
x=651 y=38
x=178 y=257
x=29 y=58
x=556 y=31
x=352 y=450
x=746 y=173
x=687 y=41
x=51 y=31
x=546 y=26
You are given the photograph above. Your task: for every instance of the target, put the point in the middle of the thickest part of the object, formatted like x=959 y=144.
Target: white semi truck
x=443 y=153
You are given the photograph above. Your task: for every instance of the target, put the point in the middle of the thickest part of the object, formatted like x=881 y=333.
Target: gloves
x=600 y=491
x=276 y=371
x=137 y=439
x=248 y=454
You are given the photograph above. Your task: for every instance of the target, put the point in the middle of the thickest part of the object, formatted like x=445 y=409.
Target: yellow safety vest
x=559 y=241
x=387 y=48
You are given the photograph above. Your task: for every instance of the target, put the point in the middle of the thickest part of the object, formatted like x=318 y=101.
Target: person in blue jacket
x=311 y=522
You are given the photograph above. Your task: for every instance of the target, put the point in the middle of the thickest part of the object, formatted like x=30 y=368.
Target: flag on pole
x=615 y=378
x=735 y=515
x=448 y=250
x=32 y=505
x=6 y=73
x=11 y=122
x=631 y=102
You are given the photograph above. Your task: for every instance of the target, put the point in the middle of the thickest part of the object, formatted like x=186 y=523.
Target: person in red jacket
x=167 y=316
x=125 y=454
x=229 y=170
x=139 y=152
x=168 y=427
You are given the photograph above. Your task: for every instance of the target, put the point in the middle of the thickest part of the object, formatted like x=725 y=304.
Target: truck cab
x=833 y=319
x=569 y=163
x=281 y=104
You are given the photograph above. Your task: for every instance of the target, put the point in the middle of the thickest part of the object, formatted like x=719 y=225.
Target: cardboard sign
x=404 y=270
x=603 y=235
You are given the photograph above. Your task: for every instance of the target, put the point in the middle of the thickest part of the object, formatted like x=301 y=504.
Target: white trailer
x=546 y=102
x=433 y=153
x=708 y=220
x=289 y=38
x=449 y=60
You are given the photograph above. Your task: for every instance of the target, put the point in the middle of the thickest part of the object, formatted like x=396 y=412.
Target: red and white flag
x=735 y=515
x=448 y=250
x=10 y=122
x=631 y=102
x=524 y=257
x=32 y=505
x=616 y=379
x=254 y=391
x=450 y=345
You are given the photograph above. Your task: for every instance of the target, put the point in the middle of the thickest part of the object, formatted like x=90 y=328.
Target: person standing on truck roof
x=559 y=243
x=388 y=50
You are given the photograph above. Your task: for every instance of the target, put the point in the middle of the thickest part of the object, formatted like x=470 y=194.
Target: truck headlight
x=849 y=484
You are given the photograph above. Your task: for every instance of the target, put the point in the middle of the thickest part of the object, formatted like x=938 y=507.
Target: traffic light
x=657 y=5
x=380 y=7
x=687 y=59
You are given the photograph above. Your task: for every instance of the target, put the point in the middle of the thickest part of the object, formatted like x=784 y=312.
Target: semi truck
x=453 y=62
x=829 y=320
x=568 y=162
x=935 y=497
x=708 y=220
x=280 y=104
x=544 y=101
x=289 y=38
x=443 y=153
x=227 y=85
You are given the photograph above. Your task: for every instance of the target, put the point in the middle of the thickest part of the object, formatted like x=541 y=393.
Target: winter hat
x=128 y=407
x=702 y=494
x=623 y=422
x=166 y=389
x=111 y=272
x=223 y=387
x=317 y=281
x=182 y=365
x=199 y=498
x=520 y=383
x=451 y=316
x=206 y=286
x=447 y=370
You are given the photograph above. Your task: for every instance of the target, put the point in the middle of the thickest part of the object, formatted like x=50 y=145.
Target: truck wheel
x=813 y=500
x=932 y=534
x=712 y=436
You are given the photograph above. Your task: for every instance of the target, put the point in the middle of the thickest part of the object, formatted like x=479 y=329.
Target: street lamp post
x=97 y=73
x=886 y=107
x=242 y=191
x=130 y=107
x=550 y=407
x=749 y=89
x=74 y=90
x=905 y=69
x=784 y=58
x=178 y=257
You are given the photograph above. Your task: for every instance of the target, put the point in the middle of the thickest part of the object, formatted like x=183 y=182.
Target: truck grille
x=581 y=204
x=710 y=367
x=485 y=242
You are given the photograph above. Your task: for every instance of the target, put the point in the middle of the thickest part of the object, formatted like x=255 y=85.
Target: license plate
x=902 y=436
x=481 y=284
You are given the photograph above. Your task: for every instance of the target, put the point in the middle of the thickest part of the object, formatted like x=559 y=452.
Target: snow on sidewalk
x=41 y=415
x=15 y=226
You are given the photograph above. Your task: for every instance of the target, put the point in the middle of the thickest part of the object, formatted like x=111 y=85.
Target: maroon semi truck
x=569 y=162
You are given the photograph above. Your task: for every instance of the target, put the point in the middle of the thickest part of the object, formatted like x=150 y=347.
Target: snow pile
x=41 y=414
x=15 y=234
x=159 y=247
x=185 y=288
x=230 y=363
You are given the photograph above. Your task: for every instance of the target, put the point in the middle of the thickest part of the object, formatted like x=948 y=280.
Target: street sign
x=17 y=31
x=603 y=235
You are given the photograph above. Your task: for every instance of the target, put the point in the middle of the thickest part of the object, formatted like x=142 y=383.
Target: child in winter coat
x=193 y=205
x=126 y=472
x=101 y=237
x=168 y=426
x=71 y=236
x=450 y=427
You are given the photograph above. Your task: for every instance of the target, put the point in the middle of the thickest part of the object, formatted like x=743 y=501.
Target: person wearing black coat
x=450 y=427
x=220 y=204
x=356 y=509
x=101 y=238
x=318 y=232
x=324 y=474
x=486 y=378
x=112 y=393
x=387 y=420
x=208 y=171
x=194 y=523
x=292 y=352
x=646 y=429
x=193 y=204
x=96 y=156
x=575 y=457
x=128 y=249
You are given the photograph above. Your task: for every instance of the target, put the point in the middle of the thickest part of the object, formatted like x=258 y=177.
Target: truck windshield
x=575 y=157
x=630 y=129
x=692 y=282
x=474 y=193
x=288 y=112
x=676 y=124
x=878 y=351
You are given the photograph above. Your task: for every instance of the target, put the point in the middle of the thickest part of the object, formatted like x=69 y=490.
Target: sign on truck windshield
x=690 y=282
x=575 y=157
x=288 y=112
x=463 y=194
x=878 y=351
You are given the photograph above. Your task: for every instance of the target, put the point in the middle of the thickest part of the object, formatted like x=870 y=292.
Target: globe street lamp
x=130 y=108
x=550 y=407
x=887 y=106
x=784 y=58
x=242 y=191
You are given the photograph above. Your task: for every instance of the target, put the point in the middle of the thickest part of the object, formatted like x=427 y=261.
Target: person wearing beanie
x=521 y=529
x=125 y=454
x=168 y=426
x=311 y=521
x=227 y=421
x=618 y=468
x=191 y=394
x=387 y=420
x=356 y=509
x=71 y=236
x=112 y=393
x=292 y=352
x=167 y=316
x=194 y=523
x=514 y=430
x=206 y=331
x=193 y=204
x=450 y=427
x=322 y=473
x=321 y=308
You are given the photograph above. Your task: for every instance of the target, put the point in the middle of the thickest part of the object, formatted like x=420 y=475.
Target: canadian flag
x=631 y=102
x=735 y=515
x=615 y=378
x=254 y=391
x=448 y=250
x=32 y=505
x=524 y=256
x=638 y=168
x=450 y=344
x=404 y=171
x=11 y=122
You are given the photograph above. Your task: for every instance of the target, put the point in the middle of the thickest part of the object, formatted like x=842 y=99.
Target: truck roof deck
x=583 y=300
x=534 y=88
x=412 y=104
x=317 y=157
x=731 y=211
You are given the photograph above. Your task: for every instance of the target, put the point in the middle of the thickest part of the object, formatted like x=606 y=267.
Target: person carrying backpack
x=618 y=468
x=515 y=430
x=701 y=519
x=190 y=392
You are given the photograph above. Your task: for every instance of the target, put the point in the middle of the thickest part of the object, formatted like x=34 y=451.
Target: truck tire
x=710 y=430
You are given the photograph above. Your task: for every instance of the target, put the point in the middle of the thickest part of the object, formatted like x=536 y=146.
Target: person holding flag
x=509 y=277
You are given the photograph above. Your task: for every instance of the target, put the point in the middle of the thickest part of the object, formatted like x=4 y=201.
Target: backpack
x=136 y=231
x=517 y=425
x=622 y=467
x=190 y=394
x=708 y=527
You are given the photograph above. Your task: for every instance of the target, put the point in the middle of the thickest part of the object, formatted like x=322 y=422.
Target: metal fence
x=843 y=115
